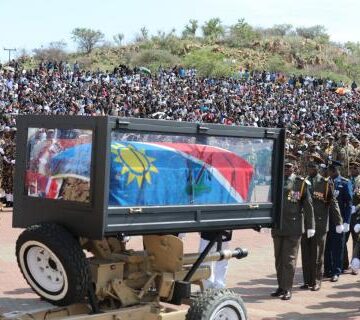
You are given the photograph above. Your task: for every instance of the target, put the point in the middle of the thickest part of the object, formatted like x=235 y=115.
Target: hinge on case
x=202 y=128
x=253 y=206
x=135 y=210
x=270 y=133
x=120 y=123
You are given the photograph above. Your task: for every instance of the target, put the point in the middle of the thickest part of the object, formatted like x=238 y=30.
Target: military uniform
x=344 y=154
x=298 y=216
x=335 y=242
x=304 y=160
x=312 y=249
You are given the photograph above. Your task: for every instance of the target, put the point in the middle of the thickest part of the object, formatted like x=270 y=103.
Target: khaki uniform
x=304 y=160
x=356 y=155
x=298 y=216
x=345 y=154
x=312 y=249
x=326 y=153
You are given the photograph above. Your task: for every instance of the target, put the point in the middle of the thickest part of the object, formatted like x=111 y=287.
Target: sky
x=29 y=24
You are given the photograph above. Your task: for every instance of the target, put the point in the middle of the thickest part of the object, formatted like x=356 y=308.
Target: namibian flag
x=160 y=174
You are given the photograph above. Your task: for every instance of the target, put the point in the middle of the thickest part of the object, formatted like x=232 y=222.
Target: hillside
x=222 y=51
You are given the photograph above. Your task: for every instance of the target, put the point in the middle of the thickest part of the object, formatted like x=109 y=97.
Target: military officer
x=326 y=150
x=355 y=182
x=335 y=242
x=325 y=204
x=298 y=217
x=344 y=152
x=356 y=144
x=311 y=150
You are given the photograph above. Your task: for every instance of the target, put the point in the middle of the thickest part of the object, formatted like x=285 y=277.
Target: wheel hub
x=45 y=268
x=226 y=313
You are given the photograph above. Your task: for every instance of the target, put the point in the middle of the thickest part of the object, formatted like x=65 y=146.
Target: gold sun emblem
x=135 y=162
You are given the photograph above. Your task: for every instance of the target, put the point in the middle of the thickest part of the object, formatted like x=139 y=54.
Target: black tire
x=217 y=304
x=53 y=264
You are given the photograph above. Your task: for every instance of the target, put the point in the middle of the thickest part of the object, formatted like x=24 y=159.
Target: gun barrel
x=238 y=253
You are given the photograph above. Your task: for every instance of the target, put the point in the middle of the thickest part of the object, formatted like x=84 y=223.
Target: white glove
x=357 y=228
x=346 y=227
x=2 y=151
x=310 y=233
x=339 y=228
x=12 y=161
x=353 y=209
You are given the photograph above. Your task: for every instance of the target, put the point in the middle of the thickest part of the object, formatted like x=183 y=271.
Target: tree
x=213 y=29
x=241 y=34
x=54 y=51
x=281 y=29
x=313 y=32
x=86 y=38
x=190 y=29
x=118 y=38
x=143 y=35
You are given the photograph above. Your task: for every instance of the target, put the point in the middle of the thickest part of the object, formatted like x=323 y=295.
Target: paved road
x=252 y=277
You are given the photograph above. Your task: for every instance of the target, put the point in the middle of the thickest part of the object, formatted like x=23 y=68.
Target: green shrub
x=154 y=58
x=209 y=63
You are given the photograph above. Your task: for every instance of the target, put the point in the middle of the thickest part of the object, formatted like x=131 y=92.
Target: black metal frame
x=96 y=219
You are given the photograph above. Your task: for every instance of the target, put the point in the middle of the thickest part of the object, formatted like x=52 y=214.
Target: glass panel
x=166 y=169
x=58 y=164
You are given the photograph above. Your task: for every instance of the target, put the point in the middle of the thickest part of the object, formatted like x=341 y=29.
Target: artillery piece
x=84 y=185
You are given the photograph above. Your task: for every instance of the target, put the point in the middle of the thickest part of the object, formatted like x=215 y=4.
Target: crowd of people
x=321 y=123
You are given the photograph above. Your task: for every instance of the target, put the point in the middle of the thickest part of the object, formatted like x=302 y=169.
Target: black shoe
x=278 y=293
x=287 y=295
x=316 y=287
x=334 y=278
x=305 y=287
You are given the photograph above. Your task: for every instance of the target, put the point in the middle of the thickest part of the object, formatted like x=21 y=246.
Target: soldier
x=326 y=150
x=325 y=204
x=311 y=150
x=356 y=144
x=355 y=182
x=344 y=153
x=8 y=165
x=298 y=216
x=335 y=242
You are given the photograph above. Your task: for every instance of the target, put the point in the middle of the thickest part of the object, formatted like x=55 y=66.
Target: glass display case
x=108 y=175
